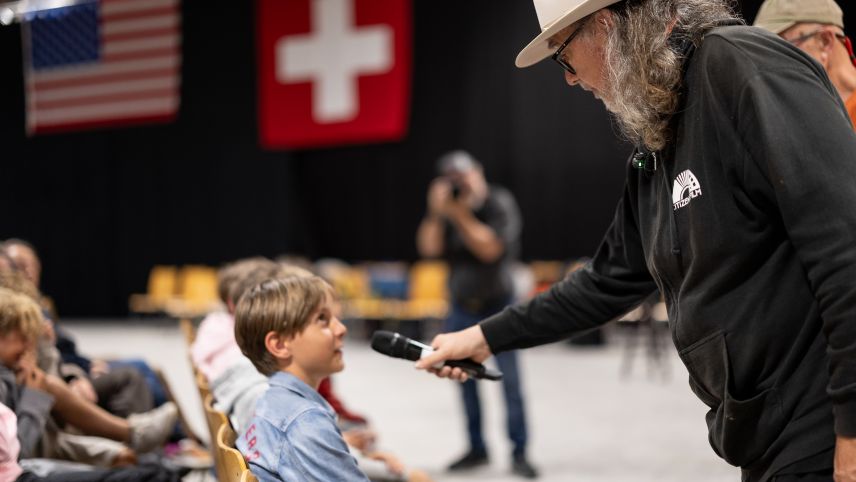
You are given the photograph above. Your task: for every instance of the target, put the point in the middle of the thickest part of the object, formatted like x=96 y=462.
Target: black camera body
x=456 y=191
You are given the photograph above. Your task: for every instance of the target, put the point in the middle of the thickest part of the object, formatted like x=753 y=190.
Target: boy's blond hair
x=19 y=313
x=281 y=305
x=254 y=277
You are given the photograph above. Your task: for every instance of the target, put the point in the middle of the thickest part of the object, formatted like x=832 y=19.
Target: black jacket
x=747 y=227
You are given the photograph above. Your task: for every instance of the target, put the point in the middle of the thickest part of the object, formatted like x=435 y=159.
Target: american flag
x=102 y=63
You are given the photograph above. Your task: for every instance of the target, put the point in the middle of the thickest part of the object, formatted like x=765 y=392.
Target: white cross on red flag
x=333 y=72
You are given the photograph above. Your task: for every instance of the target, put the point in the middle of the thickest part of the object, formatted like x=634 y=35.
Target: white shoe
x=150 y=430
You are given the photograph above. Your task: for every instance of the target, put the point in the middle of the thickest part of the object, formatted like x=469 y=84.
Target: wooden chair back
x=216 y=419
x=202 y=385
x=235 y=467
x=188 y=330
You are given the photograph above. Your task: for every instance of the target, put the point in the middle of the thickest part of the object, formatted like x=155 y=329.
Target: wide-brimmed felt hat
x=553 y=16
x=780 y=15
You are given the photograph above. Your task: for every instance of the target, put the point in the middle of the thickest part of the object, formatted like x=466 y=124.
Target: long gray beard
x=643 y=78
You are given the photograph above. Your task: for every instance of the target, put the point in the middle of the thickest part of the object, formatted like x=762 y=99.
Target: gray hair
x=643 y=62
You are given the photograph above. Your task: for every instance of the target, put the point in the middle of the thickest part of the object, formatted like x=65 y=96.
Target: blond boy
x=289 y=330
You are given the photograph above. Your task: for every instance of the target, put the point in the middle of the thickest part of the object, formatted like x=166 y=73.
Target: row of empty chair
x=189 y=290
x=374 y=290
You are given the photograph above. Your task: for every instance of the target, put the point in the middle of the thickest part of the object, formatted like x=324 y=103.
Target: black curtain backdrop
x=103 y=206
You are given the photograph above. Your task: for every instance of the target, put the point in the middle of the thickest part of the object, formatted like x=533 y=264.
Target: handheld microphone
x=397 y=346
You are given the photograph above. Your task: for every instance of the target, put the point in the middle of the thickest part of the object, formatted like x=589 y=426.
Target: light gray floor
x=587 y=423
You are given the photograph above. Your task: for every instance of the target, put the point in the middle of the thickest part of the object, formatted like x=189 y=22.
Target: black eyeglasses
x=796 y=41
x=802 y=38
x=557 y=56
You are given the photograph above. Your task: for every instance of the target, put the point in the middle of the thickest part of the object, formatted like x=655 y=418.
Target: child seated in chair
x=288 y=329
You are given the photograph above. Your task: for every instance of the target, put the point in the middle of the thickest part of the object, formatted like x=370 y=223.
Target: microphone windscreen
x=393 y=344
x=382 y=342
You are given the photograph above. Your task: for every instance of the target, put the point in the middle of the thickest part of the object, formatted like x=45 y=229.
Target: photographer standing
x=476 y=228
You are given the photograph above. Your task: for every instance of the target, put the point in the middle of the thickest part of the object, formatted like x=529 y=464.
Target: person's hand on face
x=30 y=375
x=439 y=196
x=25 y=364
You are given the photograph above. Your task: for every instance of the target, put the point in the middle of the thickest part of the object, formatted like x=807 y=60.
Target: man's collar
x=686 y=47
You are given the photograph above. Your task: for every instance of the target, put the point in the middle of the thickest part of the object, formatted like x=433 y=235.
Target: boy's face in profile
x=316 y=352
x=13 y=345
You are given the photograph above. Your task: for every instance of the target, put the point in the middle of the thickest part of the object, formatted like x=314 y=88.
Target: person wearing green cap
x=816 y=27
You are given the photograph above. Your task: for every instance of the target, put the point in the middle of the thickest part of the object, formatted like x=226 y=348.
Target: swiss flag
x=333 y=72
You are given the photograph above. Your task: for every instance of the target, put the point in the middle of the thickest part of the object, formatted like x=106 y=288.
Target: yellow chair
x=162 y=286
x=162 y=283
x=429 y=291
x=216 y=420
x=428 y=280
x=197 y=287
x=235 y=467
x=351 y=282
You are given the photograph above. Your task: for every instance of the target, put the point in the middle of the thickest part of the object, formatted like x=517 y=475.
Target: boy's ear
x=278 y=345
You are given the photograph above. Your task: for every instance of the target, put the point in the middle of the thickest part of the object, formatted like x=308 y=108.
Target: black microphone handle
x=475 y=370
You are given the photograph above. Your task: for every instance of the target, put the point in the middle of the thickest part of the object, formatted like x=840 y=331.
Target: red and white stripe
x=137 y=78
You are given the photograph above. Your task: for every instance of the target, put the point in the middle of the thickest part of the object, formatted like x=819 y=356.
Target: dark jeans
x=123 y=391
x=515 y=420
x=157 y=390
x=138 y=473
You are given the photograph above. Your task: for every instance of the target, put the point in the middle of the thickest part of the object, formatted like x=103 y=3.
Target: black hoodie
x=747 y=227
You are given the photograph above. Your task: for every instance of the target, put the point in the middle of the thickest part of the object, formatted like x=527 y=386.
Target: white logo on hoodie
x=685 y=189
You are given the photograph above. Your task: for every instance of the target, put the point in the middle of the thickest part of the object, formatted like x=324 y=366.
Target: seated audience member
x=234 y=381
x=214 y=350
x=34 y=396
x=58 y=471
x=817 y=28
x=289 y=331
x=6 y=263
x=121 y=389
x=20 y=326
x=237 y=385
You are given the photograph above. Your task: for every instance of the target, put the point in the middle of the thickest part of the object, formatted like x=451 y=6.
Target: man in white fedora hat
x=738 y=207
x=816 y=27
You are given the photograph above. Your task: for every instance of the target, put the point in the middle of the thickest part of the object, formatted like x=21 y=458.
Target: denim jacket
x=293 y=436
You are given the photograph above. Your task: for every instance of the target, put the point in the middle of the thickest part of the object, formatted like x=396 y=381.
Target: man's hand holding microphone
x=457 y=355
